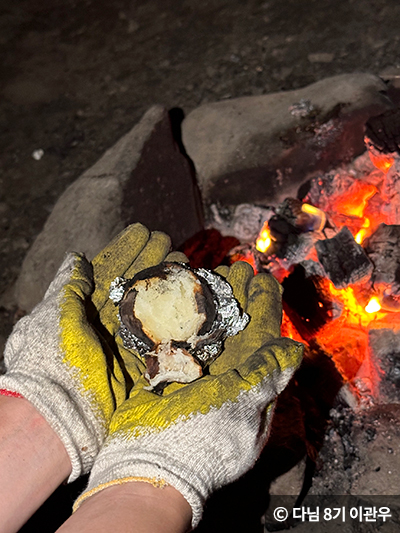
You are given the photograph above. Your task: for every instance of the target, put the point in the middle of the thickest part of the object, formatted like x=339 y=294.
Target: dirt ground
x=76 y=75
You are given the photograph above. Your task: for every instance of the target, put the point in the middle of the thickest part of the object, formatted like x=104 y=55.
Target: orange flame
x=317 y=214
x=363 y=231
x=382 y=162
x=264 y=240
x=288 y=329
x=353 y=311
x=353 y=203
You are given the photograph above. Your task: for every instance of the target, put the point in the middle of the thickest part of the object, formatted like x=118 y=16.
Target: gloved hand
x=203 y=435
x=58 y=361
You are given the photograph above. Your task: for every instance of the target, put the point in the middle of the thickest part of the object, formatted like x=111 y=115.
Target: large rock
x=260 y=148
x=143 y=178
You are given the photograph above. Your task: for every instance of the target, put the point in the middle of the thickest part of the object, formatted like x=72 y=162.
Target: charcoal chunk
x=383 y=248
x=288 y=242
x=344 y=260
x=384 y=131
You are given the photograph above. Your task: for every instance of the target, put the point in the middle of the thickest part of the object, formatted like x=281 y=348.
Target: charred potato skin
x=129 y=320
x=203 y=297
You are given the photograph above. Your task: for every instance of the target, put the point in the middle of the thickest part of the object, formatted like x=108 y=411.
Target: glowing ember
x=373 y=306
x=350 y=313
x=382 y=162
x=354 y=202
x=264 y=240
x=288 y=329
x=354 y=312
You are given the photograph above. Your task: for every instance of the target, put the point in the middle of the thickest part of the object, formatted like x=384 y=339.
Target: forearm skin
x=33 y=462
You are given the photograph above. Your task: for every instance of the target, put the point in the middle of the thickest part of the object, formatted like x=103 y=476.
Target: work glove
x=60 y=363
x=203 y=435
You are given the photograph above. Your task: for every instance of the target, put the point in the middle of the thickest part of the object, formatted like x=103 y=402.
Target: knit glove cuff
x=55 y=360
x=69 y=415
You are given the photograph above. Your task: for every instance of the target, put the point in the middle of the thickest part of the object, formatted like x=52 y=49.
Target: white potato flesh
x=167 y=308
x=174 y=365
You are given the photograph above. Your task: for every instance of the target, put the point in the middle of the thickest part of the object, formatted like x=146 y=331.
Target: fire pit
x=332 y=240
x=336 y=250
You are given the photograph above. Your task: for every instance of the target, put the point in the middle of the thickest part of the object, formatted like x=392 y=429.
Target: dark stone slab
x=144 y=178
x=161 y=191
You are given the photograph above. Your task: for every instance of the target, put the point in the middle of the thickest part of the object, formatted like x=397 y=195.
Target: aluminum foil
x=229 y=321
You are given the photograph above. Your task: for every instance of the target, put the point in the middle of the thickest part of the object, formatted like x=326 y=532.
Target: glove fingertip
x=177 y=257
x=222 y=270
x=121 y=251
x=162 y=240
x=128 y=236
x=239 y=278
x=155 y=251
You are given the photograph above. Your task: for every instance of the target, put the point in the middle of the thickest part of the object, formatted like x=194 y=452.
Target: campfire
x=336 y=251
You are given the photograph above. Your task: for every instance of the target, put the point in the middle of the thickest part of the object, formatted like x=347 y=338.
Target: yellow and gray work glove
x=58 y=361
x=201 y=436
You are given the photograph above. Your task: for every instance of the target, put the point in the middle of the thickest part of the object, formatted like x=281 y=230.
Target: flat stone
x=143 y=178
x=259 y=149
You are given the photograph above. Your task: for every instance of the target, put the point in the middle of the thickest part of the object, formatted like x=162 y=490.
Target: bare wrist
x=33 y=461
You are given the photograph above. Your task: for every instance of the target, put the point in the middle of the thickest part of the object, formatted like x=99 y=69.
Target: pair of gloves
x=67 y=359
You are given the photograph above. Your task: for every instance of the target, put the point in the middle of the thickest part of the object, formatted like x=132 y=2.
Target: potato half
x=168 y=307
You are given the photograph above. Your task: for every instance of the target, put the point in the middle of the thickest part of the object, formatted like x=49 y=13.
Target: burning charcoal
x=310 y=219
x=344 y=260
x=306 y=302
x=312 y=268
x=243 y=221
x=283 y=236
x=287 y=242
x=391 y=193
x=289 y=209
x=383 y=248
x=300 y=216
x=298 y=249
x=282 y=230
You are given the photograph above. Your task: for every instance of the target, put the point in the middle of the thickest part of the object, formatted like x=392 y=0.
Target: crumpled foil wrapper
x=229 y=321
